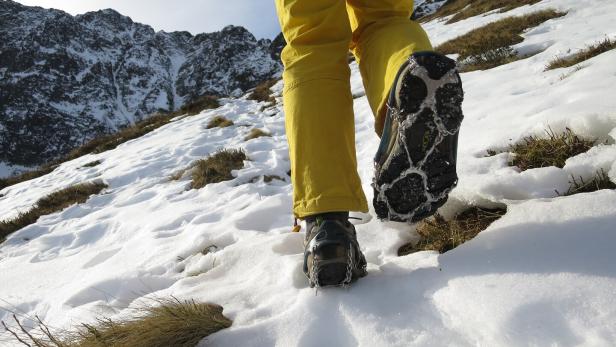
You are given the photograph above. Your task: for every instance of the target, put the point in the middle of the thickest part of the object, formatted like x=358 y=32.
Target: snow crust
x=542 y=275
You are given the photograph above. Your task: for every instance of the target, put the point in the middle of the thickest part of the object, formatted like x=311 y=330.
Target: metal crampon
x=332 y=256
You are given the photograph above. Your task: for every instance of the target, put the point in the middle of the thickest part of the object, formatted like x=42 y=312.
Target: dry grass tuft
x=490 y=45
x=49 y=204
x=209 y=249
x=255 y=133
x=536 y=152
x=169 y=323
x=92 y=163
x=438 y=234
x=196 y=106
x=262 y=92
x=176 y=176
x=599 y=182
x=585 y=54
x=219 y=122
x=462 y=9
x=267 y=178
x=217 y=168
x=270 y=178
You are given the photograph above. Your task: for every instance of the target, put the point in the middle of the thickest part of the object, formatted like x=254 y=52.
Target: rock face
x=426 y=8
x=66 y=79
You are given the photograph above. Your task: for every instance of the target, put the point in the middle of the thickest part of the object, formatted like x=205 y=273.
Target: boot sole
x=415 y=179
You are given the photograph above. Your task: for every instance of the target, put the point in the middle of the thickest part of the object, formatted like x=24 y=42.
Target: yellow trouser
x=317 y=94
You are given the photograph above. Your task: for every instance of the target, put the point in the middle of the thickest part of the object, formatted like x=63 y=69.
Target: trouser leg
x=383 y=38
x=319 y=107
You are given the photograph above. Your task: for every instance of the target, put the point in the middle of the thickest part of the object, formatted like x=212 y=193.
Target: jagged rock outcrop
x=66 y=79
x=426 y=8
x=276 y=47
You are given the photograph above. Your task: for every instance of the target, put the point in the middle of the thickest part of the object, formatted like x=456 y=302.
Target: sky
x=195 y=16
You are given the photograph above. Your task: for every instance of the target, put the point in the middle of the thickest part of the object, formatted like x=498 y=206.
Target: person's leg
x=319 y=107
x=416 y=96
x=321 y=134
x=384 y=38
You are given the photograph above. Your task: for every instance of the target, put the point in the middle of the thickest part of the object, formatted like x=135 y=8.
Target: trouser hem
x=304 y=208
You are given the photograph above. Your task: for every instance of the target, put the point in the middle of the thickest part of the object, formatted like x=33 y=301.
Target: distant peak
x=234 y=29
x=107 y=13
x=10 y=4
x=230 y=27
x=237 y=31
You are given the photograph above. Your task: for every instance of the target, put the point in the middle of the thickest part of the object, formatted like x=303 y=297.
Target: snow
x=541 y=275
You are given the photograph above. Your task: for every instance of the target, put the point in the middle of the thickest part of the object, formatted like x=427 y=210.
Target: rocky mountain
x=426 y=8
x=65 y=79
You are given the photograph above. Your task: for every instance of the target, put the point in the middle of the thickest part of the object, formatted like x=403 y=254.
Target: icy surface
x=542 y=275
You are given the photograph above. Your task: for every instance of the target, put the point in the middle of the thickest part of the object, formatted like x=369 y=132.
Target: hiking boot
x=332 y=256
x=415 y=165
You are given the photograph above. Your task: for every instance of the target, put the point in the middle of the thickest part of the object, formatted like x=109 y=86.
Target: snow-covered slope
x=542 y=275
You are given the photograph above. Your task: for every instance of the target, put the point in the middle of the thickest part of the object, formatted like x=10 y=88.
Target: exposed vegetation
x=168 y=323
x=176 y=176
x=49 y=204
x=197 y=106
x=270 y=178
x=462 y=9
x=267 y=178
x=599 y=182
x=589 y=52
x=217 y=167
x=92 y=163
x=255 y=133
x=535 y=152
x=107 y=142
x=554 y=150
x=219 y=122
x=263 y=91
x=438 y=234
x=209 y=249
x=490 y=46
x=269 y=106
